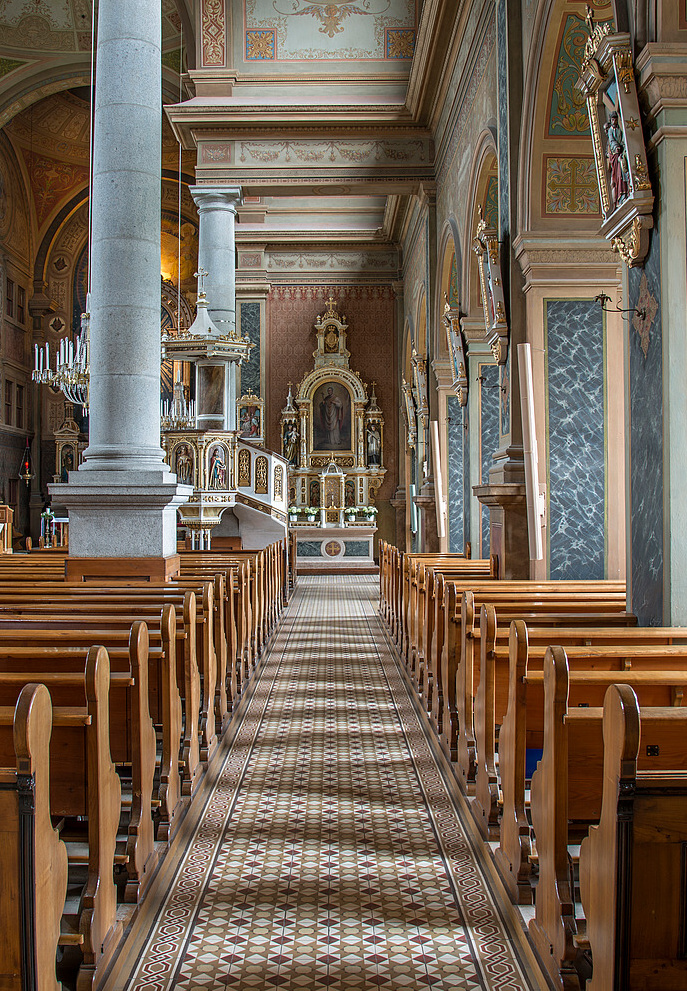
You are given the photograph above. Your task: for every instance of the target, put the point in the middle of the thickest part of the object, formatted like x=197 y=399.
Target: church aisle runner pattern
x=329 y=854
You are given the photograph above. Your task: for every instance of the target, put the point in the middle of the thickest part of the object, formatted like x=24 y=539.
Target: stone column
x=216 y=250
x=217 y=256
x=122 y=501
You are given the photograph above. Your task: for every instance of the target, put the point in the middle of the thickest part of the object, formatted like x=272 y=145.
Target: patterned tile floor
x=330 y=854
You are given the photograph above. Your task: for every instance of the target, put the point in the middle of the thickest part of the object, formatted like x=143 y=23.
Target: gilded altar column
x=122 y=501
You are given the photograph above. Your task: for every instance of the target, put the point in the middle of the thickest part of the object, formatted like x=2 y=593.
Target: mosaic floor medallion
x=330 y=854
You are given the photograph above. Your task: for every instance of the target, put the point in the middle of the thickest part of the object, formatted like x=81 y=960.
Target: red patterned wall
x=291 y=340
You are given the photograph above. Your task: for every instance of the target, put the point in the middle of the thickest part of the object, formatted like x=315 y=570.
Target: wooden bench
x=632 y=866
x=33 y=859
x=186 y=677
x=132 y=735
x=522 y=716
x=561 y=603
x=567 y=792
x=84 y=783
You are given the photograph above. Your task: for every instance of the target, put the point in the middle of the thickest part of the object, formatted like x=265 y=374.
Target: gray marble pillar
x=217 y=250
x=122 y=501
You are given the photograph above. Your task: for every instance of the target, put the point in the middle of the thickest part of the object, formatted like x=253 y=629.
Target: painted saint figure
x=331 y=417
x=218 y=470
x=617 y=160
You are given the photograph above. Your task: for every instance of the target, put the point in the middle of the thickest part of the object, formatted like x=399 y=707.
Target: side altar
x=333 y=437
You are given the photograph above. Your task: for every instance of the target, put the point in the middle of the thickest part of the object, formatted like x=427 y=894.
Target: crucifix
x=201 y=275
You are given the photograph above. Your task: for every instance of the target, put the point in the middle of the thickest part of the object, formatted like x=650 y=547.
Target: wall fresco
x=571 y=186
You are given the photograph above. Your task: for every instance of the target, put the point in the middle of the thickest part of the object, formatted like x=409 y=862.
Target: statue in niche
x=218 y=470
x=184 y=465
x=374 y=445
x=290 y=446
x=617 y=160
x=315 y=492
x=67 y=463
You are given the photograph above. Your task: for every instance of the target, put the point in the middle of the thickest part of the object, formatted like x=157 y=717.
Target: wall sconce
x=604 y=300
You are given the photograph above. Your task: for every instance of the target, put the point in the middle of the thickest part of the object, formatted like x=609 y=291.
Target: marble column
x=122 y=501
x=217 y=250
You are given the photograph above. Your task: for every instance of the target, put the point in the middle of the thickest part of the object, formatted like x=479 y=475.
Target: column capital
x=217 y=197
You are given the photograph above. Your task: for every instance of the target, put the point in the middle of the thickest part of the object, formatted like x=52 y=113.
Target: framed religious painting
x=331 y=418
x=608 y=83
x=486 y=246
x=250 y=419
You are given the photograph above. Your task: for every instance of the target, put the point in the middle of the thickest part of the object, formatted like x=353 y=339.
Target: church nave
x=329 y=852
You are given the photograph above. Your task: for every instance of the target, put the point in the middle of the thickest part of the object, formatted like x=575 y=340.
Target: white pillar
x=122 y=501
x=217 y=250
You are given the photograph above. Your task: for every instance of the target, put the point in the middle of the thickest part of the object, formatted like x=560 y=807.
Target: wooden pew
x=632 y=871
x=33 y=859
x=522 y=719
x=164 y=697
x=567 y=797
x=557 y=603
x=84 y=783
x=177 y=686
x=132 y=735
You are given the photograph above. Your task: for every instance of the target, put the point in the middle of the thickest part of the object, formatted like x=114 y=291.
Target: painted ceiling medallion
x=332 y=13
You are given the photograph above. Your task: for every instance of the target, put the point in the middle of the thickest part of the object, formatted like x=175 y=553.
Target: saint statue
x=617 y=160
x=184 y=465
x=291 y=443
x=218 y=470
x=374 y=444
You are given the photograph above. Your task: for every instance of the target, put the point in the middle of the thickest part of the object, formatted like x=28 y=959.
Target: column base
x=426 y=502
x=398 y=504
x=122 y=515
x=507 y=527
x=122 y=569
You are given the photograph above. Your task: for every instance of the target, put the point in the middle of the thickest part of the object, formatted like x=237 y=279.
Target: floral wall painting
x=331 y=418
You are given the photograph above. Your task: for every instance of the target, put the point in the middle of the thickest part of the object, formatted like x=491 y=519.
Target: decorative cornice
x=550 y=258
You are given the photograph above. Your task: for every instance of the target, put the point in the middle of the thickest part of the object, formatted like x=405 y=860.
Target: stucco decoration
x=324 y=30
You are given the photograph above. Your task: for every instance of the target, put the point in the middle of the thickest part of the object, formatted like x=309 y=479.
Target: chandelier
x=71 y=373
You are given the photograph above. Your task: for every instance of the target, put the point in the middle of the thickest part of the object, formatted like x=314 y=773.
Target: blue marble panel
x=503 y=155
x=309 y=548
x=576 y=433
x=504 y=394
x=646 y=449
x=489 y=436
x=356 y=548
x=455 y=475
x=250 y=327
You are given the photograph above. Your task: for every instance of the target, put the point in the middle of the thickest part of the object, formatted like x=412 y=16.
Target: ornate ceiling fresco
x=56 y=26
x=322 y=30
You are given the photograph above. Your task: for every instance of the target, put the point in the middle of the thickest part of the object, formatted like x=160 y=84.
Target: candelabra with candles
x=180 y=414
x=72 y=367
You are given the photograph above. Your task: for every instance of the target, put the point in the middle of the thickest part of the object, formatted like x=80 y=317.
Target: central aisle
x=330 y=854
